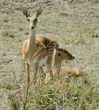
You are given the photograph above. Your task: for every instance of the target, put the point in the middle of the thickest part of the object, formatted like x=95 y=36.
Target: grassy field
x=72 y=24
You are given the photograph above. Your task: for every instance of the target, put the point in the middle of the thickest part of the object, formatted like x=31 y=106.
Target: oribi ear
x=56 y=45
x=25 y=12
x=39 y=11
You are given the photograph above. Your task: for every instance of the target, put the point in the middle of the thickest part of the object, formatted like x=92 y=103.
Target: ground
x=73 y=24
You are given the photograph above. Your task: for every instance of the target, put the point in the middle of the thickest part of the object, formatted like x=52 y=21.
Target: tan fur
x=63 y=54
x=67 y=72
x=59 y=56
x=29 y=47
x=70 y=71
x=36 y=47
x=46 y=50
x=64 y=71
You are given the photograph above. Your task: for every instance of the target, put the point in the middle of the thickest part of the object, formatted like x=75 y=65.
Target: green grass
x=4 y=19
x=71 y=26
x=78 y=94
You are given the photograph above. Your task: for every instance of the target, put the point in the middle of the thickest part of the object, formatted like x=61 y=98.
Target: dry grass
x=72 y=25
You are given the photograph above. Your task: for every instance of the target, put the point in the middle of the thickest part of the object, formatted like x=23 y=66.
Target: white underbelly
x=42 y=61
x=28 y=61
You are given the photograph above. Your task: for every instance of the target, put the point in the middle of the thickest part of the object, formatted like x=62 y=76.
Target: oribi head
x=32 y=19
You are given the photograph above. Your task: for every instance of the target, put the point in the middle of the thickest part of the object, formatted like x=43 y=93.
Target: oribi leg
x=35 y=72
x=42 y=70
x=27 y=76
x=48 y=66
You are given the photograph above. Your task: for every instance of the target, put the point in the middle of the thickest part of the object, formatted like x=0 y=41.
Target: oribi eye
x=28 y=19
x=35 y=20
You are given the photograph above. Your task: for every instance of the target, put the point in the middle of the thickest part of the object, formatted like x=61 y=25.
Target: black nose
x=32 y=27
x=73 y=58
